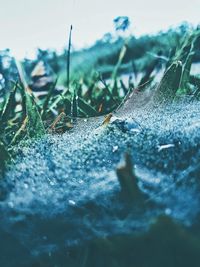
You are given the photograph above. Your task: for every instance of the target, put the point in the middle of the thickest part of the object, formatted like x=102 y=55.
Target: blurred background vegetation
x=102 y=57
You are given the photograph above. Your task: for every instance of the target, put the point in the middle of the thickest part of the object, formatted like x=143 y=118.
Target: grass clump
x=27 y=113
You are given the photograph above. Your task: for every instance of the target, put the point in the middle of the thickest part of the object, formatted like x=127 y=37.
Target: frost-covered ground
x=63 y=190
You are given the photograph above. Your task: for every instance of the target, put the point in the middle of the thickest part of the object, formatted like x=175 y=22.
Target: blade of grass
x=86 y=108
x=9 y=106
x=56 y=121
x=68 y=56
x=35 y=126
x=120 y=59
x=22 y=76
x=47 y=99
x=108 y=90
x=119 y=62
x=185 y=54
x=74 y=106
x=20 y=133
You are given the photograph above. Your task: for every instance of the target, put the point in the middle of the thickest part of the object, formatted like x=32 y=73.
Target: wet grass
x=23 y=115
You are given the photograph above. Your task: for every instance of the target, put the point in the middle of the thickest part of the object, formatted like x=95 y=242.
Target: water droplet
x=25 y=186
x=11 y=204
x=72 y=202
x=168 y=211
x=115 y=148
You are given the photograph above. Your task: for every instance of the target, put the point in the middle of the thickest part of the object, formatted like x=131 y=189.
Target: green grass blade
x=47 y=99
x=74 y=106
x=35 y=126
x=86 y=108
x=68 y=57
x=20 y=133
x=185 y=55
x=9 y=106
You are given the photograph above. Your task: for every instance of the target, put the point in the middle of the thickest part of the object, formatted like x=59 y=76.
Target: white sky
x=27 y=24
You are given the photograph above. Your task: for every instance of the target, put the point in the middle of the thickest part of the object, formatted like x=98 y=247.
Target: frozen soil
x=63 y=190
